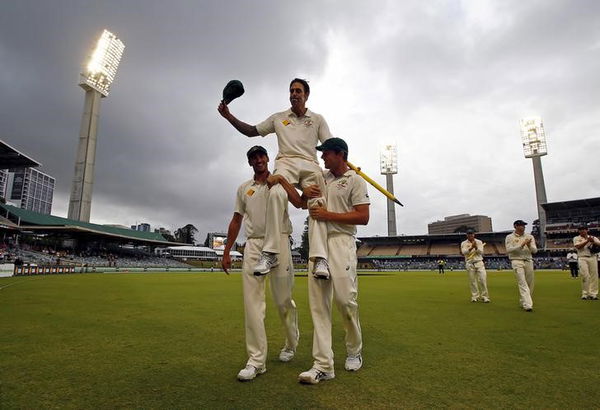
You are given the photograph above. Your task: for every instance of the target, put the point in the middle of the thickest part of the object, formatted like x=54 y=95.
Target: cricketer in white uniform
x=588 y=263
x=298 y=131
x=347 y=206
x=250 y=206
x=520 y=247
x=472 y=249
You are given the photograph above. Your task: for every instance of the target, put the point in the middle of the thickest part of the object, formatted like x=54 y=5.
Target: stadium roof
x=408 y=239
x=34 y=221
x=576 y=203
x=11 y=158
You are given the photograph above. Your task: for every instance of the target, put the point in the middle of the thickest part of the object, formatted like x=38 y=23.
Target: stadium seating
x=385 y=250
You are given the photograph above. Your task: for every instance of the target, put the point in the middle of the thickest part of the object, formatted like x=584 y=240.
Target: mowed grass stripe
x=176 y=340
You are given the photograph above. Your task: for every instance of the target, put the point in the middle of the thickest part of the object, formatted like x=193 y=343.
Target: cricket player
x=250 y=207
x=472 y=249
x=520 y=247
x=298 y=131
x=588 y=263
x=347 y=206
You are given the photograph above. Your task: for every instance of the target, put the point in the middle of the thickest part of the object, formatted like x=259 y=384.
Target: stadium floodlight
x=96 y=79
x=102 y=68
x=533 y=137
x=388 y=159
x=388 y=162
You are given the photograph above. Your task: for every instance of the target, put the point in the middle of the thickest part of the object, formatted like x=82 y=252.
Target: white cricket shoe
x=286 y=355
x=266 y=261
x=314 y=376
x=474 y=299
x=321 y=268
x=353 y=362
x=249 y=372
x=486 y=300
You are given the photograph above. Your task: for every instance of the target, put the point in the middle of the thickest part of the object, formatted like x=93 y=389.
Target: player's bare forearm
x=244 y=128
x=233 y=230
x=293 y=195
x=358 y=216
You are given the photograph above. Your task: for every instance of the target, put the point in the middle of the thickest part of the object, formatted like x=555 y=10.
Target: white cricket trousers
x=477 y=279
x=341 y=287
x=588 y=270
x=303 y=172
x=282 y=283
x=525 y=281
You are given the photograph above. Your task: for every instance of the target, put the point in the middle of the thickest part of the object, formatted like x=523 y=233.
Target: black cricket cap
x=333 y=144
x=519 y=222
x=255 y=150
x=232 y=90
x=582 y=226
x=470 y=230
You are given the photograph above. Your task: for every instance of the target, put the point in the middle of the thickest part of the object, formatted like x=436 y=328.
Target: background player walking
x=472 y=249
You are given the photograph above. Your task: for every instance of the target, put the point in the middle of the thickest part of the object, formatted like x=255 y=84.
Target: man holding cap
x=250 y=206
x=347 y=206
x=472 y=249
x=298 y=131
x=520 y=247
x=588 y=263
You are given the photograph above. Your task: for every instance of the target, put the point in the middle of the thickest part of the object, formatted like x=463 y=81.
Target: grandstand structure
x=421 y=251
x=563 y=218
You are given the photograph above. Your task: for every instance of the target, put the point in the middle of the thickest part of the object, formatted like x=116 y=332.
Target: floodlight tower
x=534 y=147
x=389 y=166
x=95 y=79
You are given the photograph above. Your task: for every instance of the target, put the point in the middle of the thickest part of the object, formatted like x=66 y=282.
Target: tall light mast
x=95 y=79
x=389 y=166
x=533 y=137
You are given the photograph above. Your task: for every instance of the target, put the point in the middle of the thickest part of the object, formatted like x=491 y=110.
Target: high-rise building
x=143 y=227
x=28 y=188
x=450 y=224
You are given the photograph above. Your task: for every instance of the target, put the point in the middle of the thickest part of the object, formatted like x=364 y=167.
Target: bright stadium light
x=96 y=79
x=533 y=137
x=102 y=68
x=388 y=162
x=388 y=159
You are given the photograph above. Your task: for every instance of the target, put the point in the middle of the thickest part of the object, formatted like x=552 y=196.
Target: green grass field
x=175 y=340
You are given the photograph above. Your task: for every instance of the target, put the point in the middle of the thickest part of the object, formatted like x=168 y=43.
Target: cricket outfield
x=176 y=340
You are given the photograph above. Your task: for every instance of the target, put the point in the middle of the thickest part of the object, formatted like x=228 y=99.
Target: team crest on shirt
x=250 y=192
x=342 y=183
x=308 y=123
x=285 y=123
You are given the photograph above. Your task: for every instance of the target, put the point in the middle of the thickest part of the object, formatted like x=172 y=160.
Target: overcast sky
x=447 y=81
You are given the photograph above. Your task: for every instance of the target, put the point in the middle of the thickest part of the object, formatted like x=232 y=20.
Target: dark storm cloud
x=439 y=76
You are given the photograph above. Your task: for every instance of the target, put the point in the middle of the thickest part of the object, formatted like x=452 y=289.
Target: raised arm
x=244 y=128
x=232 y=234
